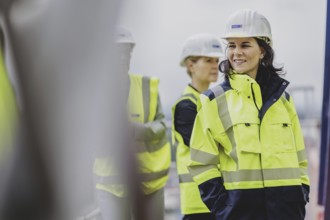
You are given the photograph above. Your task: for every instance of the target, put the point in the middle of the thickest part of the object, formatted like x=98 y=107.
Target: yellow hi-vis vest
x=190 y=199
x=254 y=149
x=154 y=156
x=8 y=112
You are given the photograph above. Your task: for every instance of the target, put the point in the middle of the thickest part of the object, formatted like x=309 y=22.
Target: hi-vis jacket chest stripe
x=153 y=100
x=226 y=121
x=217 y=91
x=142 y=147
x=146 y=97
x=175 y=144
x=146 y=177
x=223 y=111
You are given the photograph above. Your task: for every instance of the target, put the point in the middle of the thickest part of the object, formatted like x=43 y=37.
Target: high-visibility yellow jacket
x=152 y=145
x=190 y=199
x=245 y=142
x=8 y=111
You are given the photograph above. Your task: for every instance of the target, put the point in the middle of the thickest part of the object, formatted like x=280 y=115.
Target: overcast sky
x=160 y=28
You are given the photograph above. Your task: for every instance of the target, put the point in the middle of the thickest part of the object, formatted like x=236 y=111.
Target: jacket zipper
x=255 y=103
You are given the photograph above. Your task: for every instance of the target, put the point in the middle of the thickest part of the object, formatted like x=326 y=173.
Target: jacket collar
x=242 y=83
x=190 y=89
x=247 y=86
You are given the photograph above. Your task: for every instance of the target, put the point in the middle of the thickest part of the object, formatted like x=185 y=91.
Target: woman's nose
x=237 y=50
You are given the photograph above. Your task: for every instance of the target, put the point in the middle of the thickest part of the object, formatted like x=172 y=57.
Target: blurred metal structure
x=306 y=96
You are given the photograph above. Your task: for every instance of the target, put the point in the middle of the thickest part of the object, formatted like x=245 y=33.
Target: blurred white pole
x=63 y=54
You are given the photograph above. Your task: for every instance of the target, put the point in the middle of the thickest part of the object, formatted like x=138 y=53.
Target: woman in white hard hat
x=200 y=56
x=247 y=148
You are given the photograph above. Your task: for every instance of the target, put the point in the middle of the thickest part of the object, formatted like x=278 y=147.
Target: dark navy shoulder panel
x=209 y=93
x=287 y=95
x=225 y=85
x=218 y=90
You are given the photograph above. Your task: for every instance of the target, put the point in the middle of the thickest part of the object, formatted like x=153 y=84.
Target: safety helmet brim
x=201 y=45
x=213 y=55
x=248 y=23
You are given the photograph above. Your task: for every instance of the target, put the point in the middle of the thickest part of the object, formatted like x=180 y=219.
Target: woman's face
x=205 y=69
x=244 y=55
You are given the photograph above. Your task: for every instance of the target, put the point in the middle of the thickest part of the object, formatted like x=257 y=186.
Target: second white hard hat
x=202 y=44
x=248 y=23
x=124 y=36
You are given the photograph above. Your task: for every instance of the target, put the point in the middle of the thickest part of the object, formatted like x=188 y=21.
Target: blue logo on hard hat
x=236 y=26
x=215 y=46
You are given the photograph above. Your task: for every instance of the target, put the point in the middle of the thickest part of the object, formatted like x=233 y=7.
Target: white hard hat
x=124 y=36
x=248 y=23
x=202 y=44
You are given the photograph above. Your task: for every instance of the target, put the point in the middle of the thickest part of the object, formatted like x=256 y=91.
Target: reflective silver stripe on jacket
x=203 y=157
x=146 y=97
x=185 y=178
x=226 y=121
x=145 y=177
x=301 y=155
x=142 y=147
x=201 y=169
x=118 y=180
x=261 y=175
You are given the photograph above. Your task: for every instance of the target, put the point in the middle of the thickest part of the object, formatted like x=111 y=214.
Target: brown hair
x=266 y=64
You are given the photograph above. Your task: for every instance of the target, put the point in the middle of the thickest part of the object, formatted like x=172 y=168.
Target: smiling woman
x=247 y=143
x=244 y=55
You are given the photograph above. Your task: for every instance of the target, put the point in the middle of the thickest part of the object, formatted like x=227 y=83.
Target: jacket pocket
x=247 y=137
x=280 y=136
x=243 y=132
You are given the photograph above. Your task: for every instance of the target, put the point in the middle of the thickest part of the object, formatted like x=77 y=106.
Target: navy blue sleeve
x=185 y=114
x=213 y=194
x=305 y=189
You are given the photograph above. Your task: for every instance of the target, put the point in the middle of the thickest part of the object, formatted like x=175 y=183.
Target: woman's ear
x=190 y=65
x=263 y=53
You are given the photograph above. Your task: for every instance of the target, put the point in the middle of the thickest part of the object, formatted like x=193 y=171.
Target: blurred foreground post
x=62 y=53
